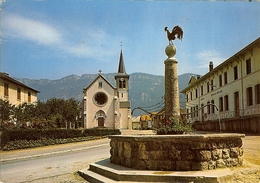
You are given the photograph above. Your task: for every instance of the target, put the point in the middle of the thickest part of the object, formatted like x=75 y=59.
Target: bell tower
x=122 y=81
x=122 y=85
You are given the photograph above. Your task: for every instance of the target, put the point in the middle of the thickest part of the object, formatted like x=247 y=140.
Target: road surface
x=54 y=166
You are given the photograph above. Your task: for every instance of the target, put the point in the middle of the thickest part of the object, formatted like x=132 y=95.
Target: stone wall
x=177 y=152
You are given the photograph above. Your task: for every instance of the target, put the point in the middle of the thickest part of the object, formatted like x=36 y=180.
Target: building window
x=190 y=95
x=220 y=80
x=208 y=87
x=85 y=104
x=249 y=94
x=221 y=104
x=122 y=83
x=212 y=85
x=100 y=99
x=248 y=66
x=201 y=89
x=6 y=92
x=208 y=107
x=197 y=111
x=236 y=103
x=29 y=97
x=226 y=103
x=225 y=78
x=196 y=93
x=100 y=84
x=235 y=73
x=202 y=111
x=257 y=94
x=188 y=113
x=187 y=98
x=18 y=93
x=212 y=107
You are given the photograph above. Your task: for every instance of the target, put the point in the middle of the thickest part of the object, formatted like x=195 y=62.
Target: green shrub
x=43 y=134
x=100 y=132
x=21 y=144
x=175 y=126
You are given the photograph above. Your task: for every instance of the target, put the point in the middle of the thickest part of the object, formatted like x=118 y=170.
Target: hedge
x=22 y=144
x=38 y=134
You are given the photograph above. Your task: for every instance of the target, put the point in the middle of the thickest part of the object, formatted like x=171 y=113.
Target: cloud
x=87 y=42
x=99 y=45
x=206 y=56
x=28 y=29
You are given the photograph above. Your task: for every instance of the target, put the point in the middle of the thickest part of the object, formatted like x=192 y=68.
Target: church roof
x=99 y=76
x=121 y=67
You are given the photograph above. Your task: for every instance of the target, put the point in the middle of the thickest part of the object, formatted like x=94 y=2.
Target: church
x=108 y=106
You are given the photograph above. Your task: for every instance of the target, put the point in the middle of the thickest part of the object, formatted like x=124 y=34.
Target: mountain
x=146 y=90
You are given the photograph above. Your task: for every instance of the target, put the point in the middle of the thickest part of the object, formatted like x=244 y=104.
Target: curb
x=51 y=153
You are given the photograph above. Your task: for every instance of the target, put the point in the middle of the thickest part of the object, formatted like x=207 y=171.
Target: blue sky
x=50 y=39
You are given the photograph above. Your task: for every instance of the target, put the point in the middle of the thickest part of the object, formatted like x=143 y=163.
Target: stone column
x=172 y=103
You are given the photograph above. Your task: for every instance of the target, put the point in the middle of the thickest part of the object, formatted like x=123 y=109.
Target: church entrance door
x=100 y=122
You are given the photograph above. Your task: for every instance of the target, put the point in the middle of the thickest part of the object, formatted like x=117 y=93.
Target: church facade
x=108 y=106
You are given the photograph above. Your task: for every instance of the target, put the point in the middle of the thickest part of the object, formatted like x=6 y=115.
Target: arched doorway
x=101 y=116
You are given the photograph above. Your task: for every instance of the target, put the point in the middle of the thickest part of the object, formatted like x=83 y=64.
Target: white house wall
x=240 y=85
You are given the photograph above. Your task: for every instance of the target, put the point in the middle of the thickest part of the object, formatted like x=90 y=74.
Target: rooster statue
x=176 y=30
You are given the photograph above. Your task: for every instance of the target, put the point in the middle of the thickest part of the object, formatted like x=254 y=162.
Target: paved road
x=59 y=161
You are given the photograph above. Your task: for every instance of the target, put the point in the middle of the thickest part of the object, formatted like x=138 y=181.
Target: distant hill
x=145 y=89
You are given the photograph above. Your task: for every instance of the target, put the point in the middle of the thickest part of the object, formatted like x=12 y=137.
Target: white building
x=229 y=91
x=108 y=106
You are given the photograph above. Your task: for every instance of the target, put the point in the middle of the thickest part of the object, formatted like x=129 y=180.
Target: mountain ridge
x=144 y=89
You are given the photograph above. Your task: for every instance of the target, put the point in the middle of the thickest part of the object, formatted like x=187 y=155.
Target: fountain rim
x=183 y=136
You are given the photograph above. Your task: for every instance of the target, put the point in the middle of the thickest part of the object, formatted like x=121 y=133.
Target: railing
x=226 y=114
x=252 y=110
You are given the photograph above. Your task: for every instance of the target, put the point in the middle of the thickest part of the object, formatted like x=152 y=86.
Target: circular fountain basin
x=177 y=152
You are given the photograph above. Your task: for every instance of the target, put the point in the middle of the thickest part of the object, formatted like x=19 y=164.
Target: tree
x=71 y=111
x=6 y=110
x=63 y=111
x=42 y=111
x=54 y=113
x=23 y=113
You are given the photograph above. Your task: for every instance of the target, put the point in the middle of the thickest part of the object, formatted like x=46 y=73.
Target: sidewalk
x=53 y=149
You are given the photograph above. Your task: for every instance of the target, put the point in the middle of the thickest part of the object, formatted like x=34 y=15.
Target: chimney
x=210 y=66
x=198 y=76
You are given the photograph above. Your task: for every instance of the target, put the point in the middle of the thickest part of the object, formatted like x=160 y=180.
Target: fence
x=249 y=124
